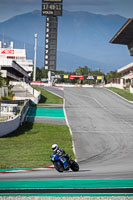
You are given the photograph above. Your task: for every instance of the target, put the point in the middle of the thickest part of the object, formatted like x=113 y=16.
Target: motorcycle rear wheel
x=74 y=166
x=58 y=166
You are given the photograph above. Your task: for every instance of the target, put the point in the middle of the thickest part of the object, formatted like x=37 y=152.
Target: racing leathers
x=61 y=152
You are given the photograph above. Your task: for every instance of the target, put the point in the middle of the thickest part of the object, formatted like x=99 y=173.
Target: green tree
x=112 y=74
x=44 y=73
x=97 y=73
x=40 y=73
x=2 y=81
x=82 y=70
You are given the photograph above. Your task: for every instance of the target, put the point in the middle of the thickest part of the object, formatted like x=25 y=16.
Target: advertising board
x=80 y=77
x=66 y=76
x=99 y=77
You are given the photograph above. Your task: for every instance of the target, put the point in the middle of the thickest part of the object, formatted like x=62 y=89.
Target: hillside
x=83 y=39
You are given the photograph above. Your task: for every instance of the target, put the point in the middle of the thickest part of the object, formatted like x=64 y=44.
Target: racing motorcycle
x=63 y=164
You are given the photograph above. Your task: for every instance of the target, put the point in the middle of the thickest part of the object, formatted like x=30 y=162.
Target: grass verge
x=124 y=93
x=48 y=98
x=30 y=145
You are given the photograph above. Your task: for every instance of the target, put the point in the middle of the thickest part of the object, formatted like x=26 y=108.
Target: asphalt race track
x=102 y=131
x=102 y=128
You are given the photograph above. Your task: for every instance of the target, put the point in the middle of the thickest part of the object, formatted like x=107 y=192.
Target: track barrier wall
x=131 y=89
x=120 y=86
x=7 y=127
x=11 y=125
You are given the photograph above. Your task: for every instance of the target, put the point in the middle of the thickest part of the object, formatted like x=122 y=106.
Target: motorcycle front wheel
x=58 y=166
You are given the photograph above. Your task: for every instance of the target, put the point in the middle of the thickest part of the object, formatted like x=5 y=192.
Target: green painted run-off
x=127 y=183
x=13 y=169
x=122 y=183
x=46 y=112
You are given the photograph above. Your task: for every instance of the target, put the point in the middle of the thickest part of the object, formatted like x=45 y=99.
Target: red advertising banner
x=7 y=51
x=80 y=77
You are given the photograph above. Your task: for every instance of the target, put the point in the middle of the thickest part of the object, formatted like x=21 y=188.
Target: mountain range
x=83 y=39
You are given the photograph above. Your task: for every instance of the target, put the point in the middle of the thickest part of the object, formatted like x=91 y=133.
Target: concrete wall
x=11 y=125
x=33 y=99
x=131 y=89
x=40 y=84
x=114 y=85
x=7 y=127
x=24 y=110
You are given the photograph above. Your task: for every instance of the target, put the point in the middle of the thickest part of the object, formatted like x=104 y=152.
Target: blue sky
x=10 y=8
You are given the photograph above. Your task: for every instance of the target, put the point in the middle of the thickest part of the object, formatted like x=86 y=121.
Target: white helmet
x=54 y=147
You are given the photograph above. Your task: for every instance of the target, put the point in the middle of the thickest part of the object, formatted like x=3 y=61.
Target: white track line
x=66 y=120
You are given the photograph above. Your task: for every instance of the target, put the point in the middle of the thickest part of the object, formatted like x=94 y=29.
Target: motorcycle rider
x=59 y=151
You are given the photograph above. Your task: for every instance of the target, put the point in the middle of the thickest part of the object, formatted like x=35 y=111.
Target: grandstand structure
x=13 y=63
x=125 y=37
x=127 y=71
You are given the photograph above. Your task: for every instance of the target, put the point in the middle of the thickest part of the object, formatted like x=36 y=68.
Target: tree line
x=42 y=73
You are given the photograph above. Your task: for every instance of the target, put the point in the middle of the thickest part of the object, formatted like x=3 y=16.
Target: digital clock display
x=52 y=9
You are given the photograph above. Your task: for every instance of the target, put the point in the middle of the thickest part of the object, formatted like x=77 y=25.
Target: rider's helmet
x=54 y=147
